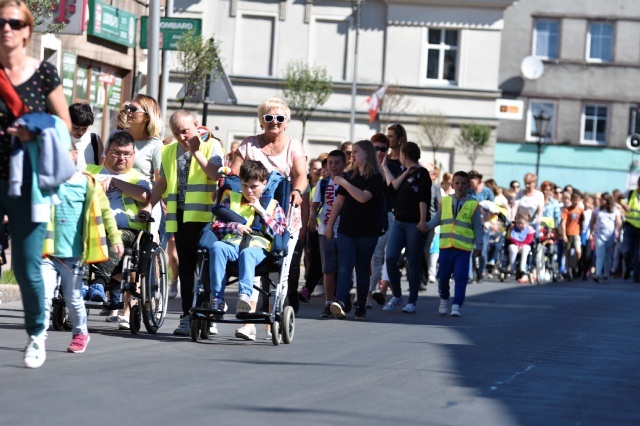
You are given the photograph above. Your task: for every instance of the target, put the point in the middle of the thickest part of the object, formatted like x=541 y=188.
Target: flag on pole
x=374 y=103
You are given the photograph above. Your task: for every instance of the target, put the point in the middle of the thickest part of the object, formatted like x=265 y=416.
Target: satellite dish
x=532 y=68
x=633 y=142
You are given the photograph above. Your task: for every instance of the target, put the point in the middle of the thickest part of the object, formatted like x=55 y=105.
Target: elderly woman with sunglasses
x=284 y=154
x=32 y=86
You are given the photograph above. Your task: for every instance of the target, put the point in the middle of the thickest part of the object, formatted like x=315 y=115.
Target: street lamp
x=542 y=124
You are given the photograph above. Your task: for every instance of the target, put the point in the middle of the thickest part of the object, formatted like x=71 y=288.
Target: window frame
x=612 y=44
x=530 y=120
x=535 y=38
x=442 y=48
x=583 y=120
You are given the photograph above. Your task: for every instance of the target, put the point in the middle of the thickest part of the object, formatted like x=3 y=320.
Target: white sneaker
x=243 y=305
x=246 y=332
x=35 y=353
x=432 y=279
x=184 y=329
x=213 y=330
x=123 y=323
x=444 y=306
x=393 y=303
x=410 y=308
x=455 y=311
x=318 y=291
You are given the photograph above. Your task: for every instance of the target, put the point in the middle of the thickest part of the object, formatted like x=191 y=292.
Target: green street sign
x=171 y=31
x=111 y=23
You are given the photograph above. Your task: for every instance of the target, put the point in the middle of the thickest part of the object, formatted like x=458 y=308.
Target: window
x=600 y=42
x=594 y=124
x=535 y=108
x=545 y=38
x=442 y=55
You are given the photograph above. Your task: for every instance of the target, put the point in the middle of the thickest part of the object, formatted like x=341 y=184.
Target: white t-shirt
x=605 y=224
x=325 y=211
x=115 y=195
x=530 y=204
x=85 y=151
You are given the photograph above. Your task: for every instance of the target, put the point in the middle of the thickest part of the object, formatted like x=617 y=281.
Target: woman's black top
x=413 y=190
x=361 y=219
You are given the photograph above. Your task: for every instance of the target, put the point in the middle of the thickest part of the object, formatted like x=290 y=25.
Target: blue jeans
x=405 y=235
x=222 y=252
x=378 y=258
x=604 y=257
x=453 y=262
x=354 y=253
x=70 y=274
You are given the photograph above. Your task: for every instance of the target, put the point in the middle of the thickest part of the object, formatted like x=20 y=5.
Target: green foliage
x=41 y=11
x=474 y=138
x=8 y=277
x=197 y=58
x=434 y=127
x=306 y=88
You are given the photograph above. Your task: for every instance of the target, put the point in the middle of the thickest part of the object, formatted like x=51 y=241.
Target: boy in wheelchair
x=520 y=237
x=244 y=234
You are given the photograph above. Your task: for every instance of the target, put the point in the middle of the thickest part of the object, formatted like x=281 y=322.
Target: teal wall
x=589 y=169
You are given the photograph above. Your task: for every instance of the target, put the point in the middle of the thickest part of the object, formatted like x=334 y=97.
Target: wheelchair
x=531 y=270
x=280 y=318
x=547 y=265
x=144 y=277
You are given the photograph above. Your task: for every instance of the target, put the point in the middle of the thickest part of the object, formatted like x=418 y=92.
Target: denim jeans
x=604 y=257
x=70 y=273
x=453 y=262
x=223 y=252
x=405 y=235
x=378 y=257
x=354 y=252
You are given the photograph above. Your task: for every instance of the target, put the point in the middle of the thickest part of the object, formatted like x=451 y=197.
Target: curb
x=10 y=293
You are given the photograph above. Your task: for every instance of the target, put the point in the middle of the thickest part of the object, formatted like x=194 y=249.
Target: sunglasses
x=381 y=148
x=133 y=109
x=268 y=118
x=14 y=24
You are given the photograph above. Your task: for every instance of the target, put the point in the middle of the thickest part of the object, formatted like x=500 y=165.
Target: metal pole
x=355 y=76
x=538 y=161
x=205 y=106
x=154 y=48
x=165 y=72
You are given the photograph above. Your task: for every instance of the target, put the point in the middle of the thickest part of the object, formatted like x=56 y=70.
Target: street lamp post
x=542 y=124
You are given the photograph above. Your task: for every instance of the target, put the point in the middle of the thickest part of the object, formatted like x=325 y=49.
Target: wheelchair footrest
x=206 y=312
x=252 y=315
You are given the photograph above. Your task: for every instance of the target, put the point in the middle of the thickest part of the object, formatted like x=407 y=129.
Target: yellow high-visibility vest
x=457 y=232
x=131 y=206
x=248 y=213
x=198 y=201
x=633 y=215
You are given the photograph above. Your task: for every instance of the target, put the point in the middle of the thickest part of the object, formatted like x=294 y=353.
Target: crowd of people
x=360 y=213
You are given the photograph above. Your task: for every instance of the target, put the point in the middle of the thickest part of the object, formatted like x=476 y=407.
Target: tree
x=393 y=103
x=42 y=10
x=306 y=88
x=474 y=138
x=434 y=126
x=197 y=59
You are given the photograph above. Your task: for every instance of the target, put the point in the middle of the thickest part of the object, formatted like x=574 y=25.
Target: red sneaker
x=79 y=343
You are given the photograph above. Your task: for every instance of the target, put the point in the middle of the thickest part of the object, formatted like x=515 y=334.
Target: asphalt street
x=556 y=354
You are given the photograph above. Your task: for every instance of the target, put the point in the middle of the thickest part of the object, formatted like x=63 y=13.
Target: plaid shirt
x=271 y=224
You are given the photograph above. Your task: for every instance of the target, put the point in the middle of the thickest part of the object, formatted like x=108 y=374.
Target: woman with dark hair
x=409 y=228
x=358 y=205
x=397 y=137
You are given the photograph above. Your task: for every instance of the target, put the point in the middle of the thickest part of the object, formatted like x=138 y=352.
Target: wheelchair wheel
x=195 y=329
x=154 y=288
x=60 y=318
x=275 y=333
x=204 y=323
x=541 y=264
x=135 y=320
x=288 y=324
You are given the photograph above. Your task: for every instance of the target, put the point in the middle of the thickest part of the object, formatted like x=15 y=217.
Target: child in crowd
x=239 y=242
x=606 y=223
x=461 y=226
x=76 y=236
x=572 y=219
x=496 y=241
x=321 y=207
x=520 y=237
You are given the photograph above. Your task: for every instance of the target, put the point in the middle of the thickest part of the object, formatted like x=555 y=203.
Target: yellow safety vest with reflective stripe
x=248 y=213
x=93 y=228
x=633 y=215
x=198 y=200
x=131 y=206
x=457 y=232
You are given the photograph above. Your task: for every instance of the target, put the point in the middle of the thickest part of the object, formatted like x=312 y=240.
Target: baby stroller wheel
x=275 y=333
x=195 y=329
x=288 y=324
x=135 y=319
x=60 y=318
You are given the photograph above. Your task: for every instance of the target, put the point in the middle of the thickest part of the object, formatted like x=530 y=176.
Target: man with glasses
x=128 y=191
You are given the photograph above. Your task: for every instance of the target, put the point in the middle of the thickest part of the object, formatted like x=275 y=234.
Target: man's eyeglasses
x=268 y=118
x=133 y=109
x=14 y=24
x=118 y=154
x=381 y=148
